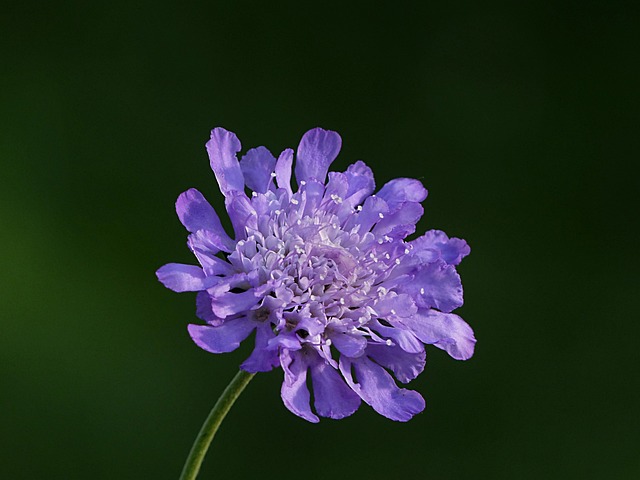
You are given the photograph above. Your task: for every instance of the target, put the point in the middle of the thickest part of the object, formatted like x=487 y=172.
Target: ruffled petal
x=182 y=278
x=402 y=190
x=332 y=397
x=294 y=392
x=405 y=366
x=451 y=250
x=316 y=151
x=444 y=330
x=361 y=183
x=222 y=149
x=257 y=165
x=196 y=213
x=400 y=223
x=376 y=387
x=262 y=359
x=436 y=285
x=224 y=338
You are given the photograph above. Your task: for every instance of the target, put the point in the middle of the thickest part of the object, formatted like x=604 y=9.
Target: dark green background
x=520 y=118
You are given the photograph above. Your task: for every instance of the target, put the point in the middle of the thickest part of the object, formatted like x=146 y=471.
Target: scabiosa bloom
x=323 y=275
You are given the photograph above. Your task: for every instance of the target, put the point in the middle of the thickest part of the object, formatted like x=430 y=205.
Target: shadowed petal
x=376 y=387
x=332 y=397
x=262 y=359
x=227 y=304
x=222 y=339
x=361 y=183
x=222 y=149
x=317 y=150
x=444 y=330
x=405 y=366
x=294 y=392
x=349 y=345
x=257 y=165
x=182 y=278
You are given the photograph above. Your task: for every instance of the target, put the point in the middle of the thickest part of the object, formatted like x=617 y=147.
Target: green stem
x=211 y=424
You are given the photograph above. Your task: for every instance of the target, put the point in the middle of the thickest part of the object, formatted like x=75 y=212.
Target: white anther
x=302 y=182
x=393 y=312
x=277 y=212
x=389 y=342
x=341 y=301
x=387 y=238
x=254 y=194
x=328 y=342
x=273 y=174
x=406 y=251
x=295 y=201
x=387 y=256
x=312 y=297
x=240 y=243
x=381 y=291
x=422 y=291
x=397 y=261
x=298 y=222
x=381 y=215
x=359 y=208
x=362 y=320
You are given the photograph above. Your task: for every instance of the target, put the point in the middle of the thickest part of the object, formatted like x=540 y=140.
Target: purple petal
x=405 y=366
x=241 y=213
x=401 y=190
x=182 y=278
x=294 y=392
x=402 y=337
x=222 y=149
x=283 y=170
x=204 y=246
x=196 y=213
x=376 y=387
x=332 y=397
x=444 y=330
x=373 y=210
x=361 y=183
x=349 y=345
x=408 y=215
x=451 y=250
x=436 y=285
x=257 y=165
x=227 y=304
x=262 y=359
x=203 y=309
x=225 y=338
x=317 y=150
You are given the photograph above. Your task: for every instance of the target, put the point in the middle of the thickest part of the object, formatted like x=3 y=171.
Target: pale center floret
x=323 y=273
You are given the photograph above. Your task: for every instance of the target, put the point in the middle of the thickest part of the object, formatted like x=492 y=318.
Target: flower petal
x=182 y=278
x=262 y=359
x=376 y=387
x=228 y=303
x=347 y=344
x=196 y=213
x=203 y=309
x=222 y=149
x=257 y=165
x=406 y=216
x=436 y=285
x=405 y=366
x=451 y=250
x=361 y=183
x=294 y=392
x=225 y=338
x=444 y=330
x=332 y=397
x=317 y=150
x=283 y=170
x=401 y=190
x=241 y=213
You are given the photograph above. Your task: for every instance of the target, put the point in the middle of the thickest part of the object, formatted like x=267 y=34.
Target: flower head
x=323 y=275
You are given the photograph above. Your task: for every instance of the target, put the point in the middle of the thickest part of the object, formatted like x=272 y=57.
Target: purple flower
x=323 y=275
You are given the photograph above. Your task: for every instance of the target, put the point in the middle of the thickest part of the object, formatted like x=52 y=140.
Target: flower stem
x=211 y=424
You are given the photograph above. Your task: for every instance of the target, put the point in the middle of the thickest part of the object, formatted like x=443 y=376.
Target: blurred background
x=520 y=118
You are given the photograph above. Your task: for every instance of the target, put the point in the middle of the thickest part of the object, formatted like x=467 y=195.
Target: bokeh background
x=520 y=117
